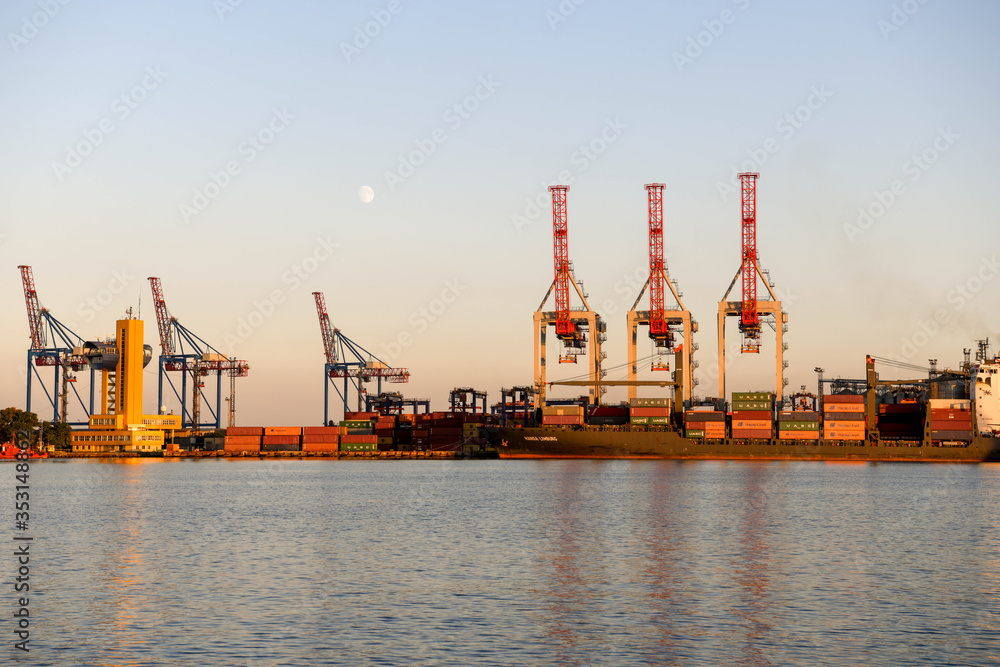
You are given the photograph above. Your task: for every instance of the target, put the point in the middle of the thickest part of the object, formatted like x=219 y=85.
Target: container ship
x=887 y=421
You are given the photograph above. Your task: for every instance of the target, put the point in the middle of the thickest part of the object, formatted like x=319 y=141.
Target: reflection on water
x=500 y=562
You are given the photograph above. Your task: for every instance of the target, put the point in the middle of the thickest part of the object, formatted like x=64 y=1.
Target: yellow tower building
x=122 y=427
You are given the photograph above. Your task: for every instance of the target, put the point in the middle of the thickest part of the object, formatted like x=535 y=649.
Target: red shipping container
x=449 y=422
x=752 y=414
x=321 y=430
x=319 y=446
x=320 y=439
x=280 y=440
x=898 y=408
x=421 y=432
x=956 y=415
x=649 y=412
x=243 y=440
x=757 y=433
x=445 y=431
x=358 y=439
x=950 y=425
x=843 y=398
x=360 y=416
x=245 y=430
x=562 y=420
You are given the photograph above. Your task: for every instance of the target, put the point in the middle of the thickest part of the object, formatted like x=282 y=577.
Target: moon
x=366 y=194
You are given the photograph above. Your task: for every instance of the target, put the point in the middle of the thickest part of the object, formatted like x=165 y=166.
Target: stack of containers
x=844 y=417
x=358 y=435
x=445 y=433
x=421 y=438
x=710 y=425
x=651 y=411
x=240 y=439
x=562 y=415
x=470 y=429
x=753 y=414
x=798 y=425
x=404 y=432
x=385 y=428
x=282 y=439
x=901 y=421
x=320 y=438
x=951 y=419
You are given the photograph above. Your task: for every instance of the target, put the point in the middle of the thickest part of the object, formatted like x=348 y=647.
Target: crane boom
x=560 y=241
x=657 y=277
x=325 y=328
x=162 y=319
x=34 y=310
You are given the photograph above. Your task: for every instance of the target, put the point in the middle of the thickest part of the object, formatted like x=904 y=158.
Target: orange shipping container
x=321 y=430
x=242 y=448
x=845 y=426
x=844 y=407
x=282 y=430
x=314 y=439
x=798 y=435
x=752 y=423
x=243 y=440
x=320 y=446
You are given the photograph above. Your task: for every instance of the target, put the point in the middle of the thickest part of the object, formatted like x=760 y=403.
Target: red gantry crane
x=658 y=318
x=184 y=352
x=751 y=311
x=365 y=367
x=572 y=326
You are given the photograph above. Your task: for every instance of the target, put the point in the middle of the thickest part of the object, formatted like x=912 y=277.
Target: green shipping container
x=639 y=421
x=798 y=426
x=751 y=405
x=753 y=396
x=357 y=423
x=658 y=420
x=649 y=402
x=695 y=434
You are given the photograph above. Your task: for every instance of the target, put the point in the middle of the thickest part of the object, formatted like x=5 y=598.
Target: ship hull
x=556 y=442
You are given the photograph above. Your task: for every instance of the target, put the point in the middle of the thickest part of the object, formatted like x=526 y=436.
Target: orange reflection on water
x=752 y=566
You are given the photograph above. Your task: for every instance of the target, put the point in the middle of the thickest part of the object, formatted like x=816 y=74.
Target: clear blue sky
x=161 y=96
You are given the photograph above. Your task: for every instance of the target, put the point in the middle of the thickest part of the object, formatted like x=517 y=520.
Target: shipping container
x=843 y=398
x=319 y=446
x=798 y=426
x=357 y=439
x=283 y=430
x=753 y=414
x=949 y=404
x=842 y=434
x=321 y=430
x=704 y=416
x=751 y=405
x=360 y=416
x=755 y=433
x=843 y=416
x=649 y=412
x=649 y=402
x=450 y=431
x=798 y=416
x=842 y=425
x=243 y=439
x=897 y=409
x=638 y=421
x=562 y=420
x=245 y=430
x=950 y=425
x=658 y=421
x=280 y=447
x=694 y=433
x=752 y=424
x=562 y=410
x=242 y=448
x=951 y=435
x=951 y=415
x=844 y=408
x=384 y=441
x=751 y=396
x=320 y=439
x=280 y=440
x=798 y=435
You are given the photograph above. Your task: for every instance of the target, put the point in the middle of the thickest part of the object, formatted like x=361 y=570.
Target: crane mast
x=749 y=319
x=658 y=326
x=34 y=310
x=162 y=319
x=565 y=328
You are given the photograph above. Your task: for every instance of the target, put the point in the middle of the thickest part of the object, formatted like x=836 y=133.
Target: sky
x=227 y=147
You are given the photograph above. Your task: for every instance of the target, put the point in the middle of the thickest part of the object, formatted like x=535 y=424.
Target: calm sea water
x=502 y=562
